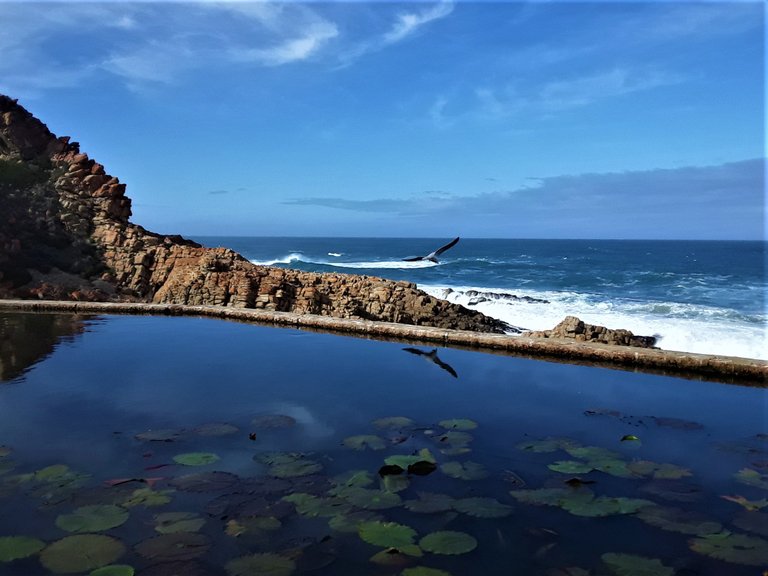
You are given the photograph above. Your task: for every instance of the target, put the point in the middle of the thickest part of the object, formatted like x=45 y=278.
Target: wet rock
x=572 y=327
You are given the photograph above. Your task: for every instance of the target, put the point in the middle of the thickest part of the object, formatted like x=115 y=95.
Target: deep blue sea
x=697 y=296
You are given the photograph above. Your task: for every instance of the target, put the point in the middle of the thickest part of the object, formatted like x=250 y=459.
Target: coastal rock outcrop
x=65 y=234
x=572 y=327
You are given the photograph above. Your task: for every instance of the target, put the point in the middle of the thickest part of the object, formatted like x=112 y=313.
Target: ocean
x=696 y=296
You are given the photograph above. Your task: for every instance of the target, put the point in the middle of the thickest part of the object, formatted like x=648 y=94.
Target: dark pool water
x=96 y=415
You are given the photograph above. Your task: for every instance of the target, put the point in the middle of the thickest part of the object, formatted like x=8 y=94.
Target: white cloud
x=409 y=22
x=290 y=50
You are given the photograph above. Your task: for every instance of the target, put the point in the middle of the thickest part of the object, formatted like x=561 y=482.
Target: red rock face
x=65 y=234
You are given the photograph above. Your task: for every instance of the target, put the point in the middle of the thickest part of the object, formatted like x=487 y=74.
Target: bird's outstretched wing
x=415 y=351
x=447 y=367
x=450 y=244
x=414 y=259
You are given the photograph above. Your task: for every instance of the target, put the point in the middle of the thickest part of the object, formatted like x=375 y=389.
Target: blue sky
x=505 y=119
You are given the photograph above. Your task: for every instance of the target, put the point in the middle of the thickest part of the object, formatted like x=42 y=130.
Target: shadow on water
x=26 y=339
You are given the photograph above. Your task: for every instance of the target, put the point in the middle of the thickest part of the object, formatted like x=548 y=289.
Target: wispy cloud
x=218 y=192
x=289 y=50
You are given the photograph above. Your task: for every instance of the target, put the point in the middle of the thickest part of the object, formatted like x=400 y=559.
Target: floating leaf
x=752 y=478
x=735 y=548
x=196 y=458
x=630 y=438
x=96 y=518
x=393 y=422
x=552 y=496
x=631 y=565
x=170 y=522
x=424 y=571
x=395 y=483
x=592 y=453
x=464 y=470
x=571 y=467
x=273 y=421
x=458 y=424
x=429 y=503
x=455 y=438
x=605 y=506
x=405 y=460
x=176 y=546
x=678 y=520
x=482 y=507
x=266 y=564
x=360 y=478
x=756 y=522
x=161 y=435
x=371 y=499
x=386 y=534
x=350 y=521
x=205 y=481
x=422 y=468
x=16 y=547
x=614 y=467
x=673 y=490
x=448 y=542
x=658 y=471
x=313 y=506
x=750 y=505
x=295 y=469
x=391 y=557
x=547 y=445
x=81 y=553
x=364 y=441
x=4 y=451
x=148 y=497
x=114 y=570
x=390 y=470
x=216 y=429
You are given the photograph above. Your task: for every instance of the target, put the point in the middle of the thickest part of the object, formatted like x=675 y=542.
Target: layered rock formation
x=65 y=234
x=572 y=327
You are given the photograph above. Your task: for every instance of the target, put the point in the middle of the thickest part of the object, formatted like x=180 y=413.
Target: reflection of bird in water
x=432 y=256
x=432 y=357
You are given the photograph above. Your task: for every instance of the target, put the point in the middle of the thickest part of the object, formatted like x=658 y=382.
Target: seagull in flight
x=432 y=256
x=432 y=357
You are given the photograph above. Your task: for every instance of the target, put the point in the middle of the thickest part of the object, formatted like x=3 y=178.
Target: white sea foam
x=335 y=254
x=289 y=259
x=682 y=327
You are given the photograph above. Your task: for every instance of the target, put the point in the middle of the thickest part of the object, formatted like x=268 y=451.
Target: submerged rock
x=65 y=234
x=572 y=327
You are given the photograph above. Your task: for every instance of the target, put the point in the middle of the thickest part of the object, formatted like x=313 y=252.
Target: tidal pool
x=189 y=446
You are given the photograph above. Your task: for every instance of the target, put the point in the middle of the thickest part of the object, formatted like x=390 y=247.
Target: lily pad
x=678 y=520
x=673 y=490
x=458 y=424
x=160 y=435
x=631 y=565
x=393 y=422
x=464 y=470
x=605 y=506
x=735 y=548
x=422 y=468
x=205 y=481
x=750 y=505
x=148 y=497
x=658 y=471
x=114 y=570
x=196 y=458
x=295 y=469
x=395 y=483
x=176 y=546
x=429 y=503
x=391 y=557
x=350 y=521
x=371 y=499
x=756 y=522
x=96 y=518
x=592 y=453
x=360 y=478
x=216 y=429
x=448 y=542
x=363 y=441
x=571 y=467
x=552 y=496
x=170 y=522
x=266 y=564
x=547 y=445
x=482 y=507
x=313 y=506
x=424 y=571
x=81 y=553
x=752 y=477
x=387 y=534
x=16 y=547
x=4 y=451
x=268 y=421
x=405 y=460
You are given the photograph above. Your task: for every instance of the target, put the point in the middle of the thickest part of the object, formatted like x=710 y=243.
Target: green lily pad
x=393 y=422
x=631 y=565
x=268 y=421
x=658 y=471
x=392 y=483
x=176 y=546
x=81 y=553
x=371 y=499
x=170 y=522
x=391 y=557
x=424 y=571
x=750 y=505
x=458 y=424
x=735 y=548
x=363 y=441
x=148 y=497
x=592 y=453
x=16 y=547
x=386 y=534
x=482 y=507
x=295 y=469
x=571 y=467
x=314 y=506
x=96 y=518
x=448 y=542
x=752 y=478
x=114 y=570
x=429 y=503
x=160 y=435
x=406 y=460
x=678 y=520
x=266 y=564
x=606 y=506
x=464 y=470
x=196 y=458
x=216 y=429
x=614 y=467
x=359 y=478
x=552 y=496
x=454 y=439
x=350 y=521
x=205 y=481
x=673 y=490
x=547 y=445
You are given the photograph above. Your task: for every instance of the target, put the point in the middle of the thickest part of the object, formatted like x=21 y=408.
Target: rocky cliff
x=65 y=234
